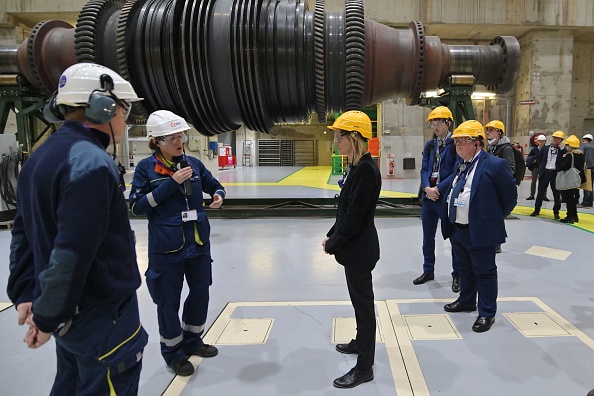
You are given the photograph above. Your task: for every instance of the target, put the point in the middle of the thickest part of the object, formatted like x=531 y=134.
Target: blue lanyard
x=465 y=171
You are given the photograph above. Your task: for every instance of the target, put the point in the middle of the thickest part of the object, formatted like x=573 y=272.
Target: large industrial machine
x=224 y=63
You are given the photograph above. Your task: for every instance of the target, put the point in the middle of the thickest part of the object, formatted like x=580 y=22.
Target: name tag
x=435 y=174
x=189 y=215
x=460 y=203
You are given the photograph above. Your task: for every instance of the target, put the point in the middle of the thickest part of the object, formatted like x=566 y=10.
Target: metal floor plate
x=245 y=331
x=536 y=324
x=542 y=251
x=344 y=329
x=430 y=327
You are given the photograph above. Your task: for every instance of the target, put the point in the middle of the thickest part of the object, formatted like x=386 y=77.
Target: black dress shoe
x=354 y=378
x=456 y=285
x=205 y=351
x=457 y=307
x=556 y=216
x=546 y=199
x=530 y=198
x=183 y=368
x=482 y=324
x=424 y=278
x=567 y=220
x=535 y=213
x=349 y=348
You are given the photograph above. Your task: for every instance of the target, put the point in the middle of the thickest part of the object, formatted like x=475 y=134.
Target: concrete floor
x=271 y=280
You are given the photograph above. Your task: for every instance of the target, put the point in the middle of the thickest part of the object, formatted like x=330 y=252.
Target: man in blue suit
x=549 y=158
x=481 y=195
x=437 y=170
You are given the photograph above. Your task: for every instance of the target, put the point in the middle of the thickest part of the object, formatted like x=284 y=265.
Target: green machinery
x=456 y=97
x=18 y=96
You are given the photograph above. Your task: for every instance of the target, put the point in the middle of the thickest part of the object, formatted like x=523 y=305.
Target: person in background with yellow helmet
x=481 y=195
x=437 y=170
x=353 y=239
x=499 y=144
x=550 y=160
x=573 y=158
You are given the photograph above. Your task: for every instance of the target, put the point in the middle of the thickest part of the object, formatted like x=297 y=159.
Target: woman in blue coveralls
x=168 y=187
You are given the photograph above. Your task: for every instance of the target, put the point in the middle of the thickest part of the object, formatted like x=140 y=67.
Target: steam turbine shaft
x=224 y=63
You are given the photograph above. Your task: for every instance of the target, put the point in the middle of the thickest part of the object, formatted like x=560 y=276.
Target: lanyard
x=465 y=171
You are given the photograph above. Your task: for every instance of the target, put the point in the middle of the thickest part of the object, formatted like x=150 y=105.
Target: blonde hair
x=359 y=145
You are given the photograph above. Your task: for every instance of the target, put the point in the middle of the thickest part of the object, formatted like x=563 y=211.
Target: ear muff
x=52 y=112
x=101 y=108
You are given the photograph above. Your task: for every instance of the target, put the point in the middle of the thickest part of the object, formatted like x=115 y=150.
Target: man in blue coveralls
x=73 y=270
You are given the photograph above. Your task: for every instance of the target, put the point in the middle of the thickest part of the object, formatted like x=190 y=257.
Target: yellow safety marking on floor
x=246 y=331
x=546 y=252
x=5 y=305
x=315 y=177
x=536 y=324
x=586 y=222
x=345 y=329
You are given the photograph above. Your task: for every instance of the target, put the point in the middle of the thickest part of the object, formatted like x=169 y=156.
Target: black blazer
x=353 y=238
x=542 y=158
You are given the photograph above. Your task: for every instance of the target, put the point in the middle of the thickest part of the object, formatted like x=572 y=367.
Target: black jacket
x=353 y=238
x=542 y=158
x=578 y=163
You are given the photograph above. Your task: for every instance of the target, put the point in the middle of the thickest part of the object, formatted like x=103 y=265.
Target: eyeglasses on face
x=174 y=139
x=126 y=106
x=434 y=123
x=463 y=140
x=339 y=138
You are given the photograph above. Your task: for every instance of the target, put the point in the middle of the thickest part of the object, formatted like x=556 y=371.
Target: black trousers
x=548 y=178
x=571 y=202
x=360 y=287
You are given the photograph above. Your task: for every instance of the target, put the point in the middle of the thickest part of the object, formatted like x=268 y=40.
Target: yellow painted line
x=5 y=305
x=313 y=177
x=586 y=222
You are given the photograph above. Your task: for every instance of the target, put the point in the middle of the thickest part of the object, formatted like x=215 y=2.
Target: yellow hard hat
x=497 y=125
x=471 y=128
x=440 y=112
x=353 y=121
x=572 y=141
x=559 y=134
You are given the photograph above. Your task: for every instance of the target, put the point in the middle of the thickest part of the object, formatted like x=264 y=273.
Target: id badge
x=434 y=174
x=189 y=215
x=460 y=203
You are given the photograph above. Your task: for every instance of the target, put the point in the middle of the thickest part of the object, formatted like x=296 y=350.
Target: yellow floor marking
x=586 y=218
x=314 y=177
x=4 y=305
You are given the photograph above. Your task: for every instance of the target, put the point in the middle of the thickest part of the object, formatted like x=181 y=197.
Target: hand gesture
x=183 y=174
x=217 y=201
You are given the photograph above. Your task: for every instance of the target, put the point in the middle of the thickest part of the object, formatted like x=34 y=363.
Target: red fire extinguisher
x=390 y=164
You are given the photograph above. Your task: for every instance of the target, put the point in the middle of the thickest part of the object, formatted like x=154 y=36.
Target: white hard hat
x=80 y=80
x=541 y=137
x=163 y=123
x=587 y=136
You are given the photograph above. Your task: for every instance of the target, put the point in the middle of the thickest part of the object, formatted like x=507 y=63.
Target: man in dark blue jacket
x=484 y=192
x=73 y=270
x=550 y=161
x=437 y=169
